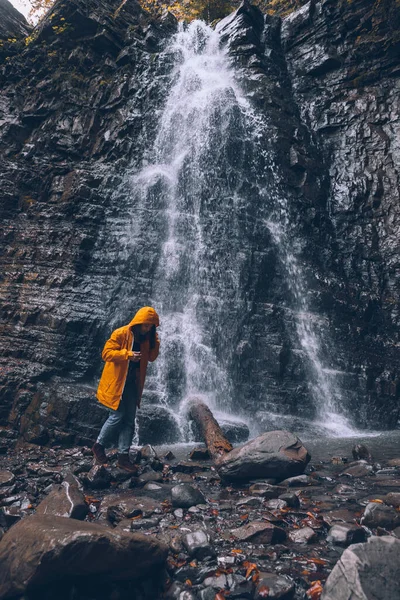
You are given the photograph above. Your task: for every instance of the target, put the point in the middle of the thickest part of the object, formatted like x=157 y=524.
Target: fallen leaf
x=250 y=567
x=188 y=582
x=263 y=591
x=137 y=517
x=377 y=501
x=237 y=551
x=315 y=591
x=219 y=596
x=193 y=563
x=244 y=517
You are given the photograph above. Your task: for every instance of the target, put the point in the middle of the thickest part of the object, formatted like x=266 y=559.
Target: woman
x=126 y=355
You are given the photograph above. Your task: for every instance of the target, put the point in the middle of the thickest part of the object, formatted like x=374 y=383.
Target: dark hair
x=151 y=335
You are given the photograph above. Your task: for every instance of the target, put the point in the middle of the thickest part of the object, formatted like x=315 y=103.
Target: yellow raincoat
x=116 y=353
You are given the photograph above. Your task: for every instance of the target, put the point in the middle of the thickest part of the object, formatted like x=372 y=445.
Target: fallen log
x=216 y=442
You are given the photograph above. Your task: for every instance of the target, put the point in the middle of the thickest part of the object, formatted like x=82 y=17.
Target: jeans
x=120 y=424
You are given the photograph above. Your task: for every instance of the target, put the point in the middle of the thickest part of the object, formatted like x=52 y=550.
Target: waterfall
x=206 y=168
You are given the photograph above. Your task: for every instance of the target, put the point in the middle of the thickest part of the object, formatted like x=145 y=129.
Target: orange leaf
x=193 y=563
x=315 y=591
x=255 y=577
x=219 y=596
x=263 y=591
x=250 y=568
x=377 y=501
x=188 y=582
x=236 y=551
x=244 y=517
x=137 y=517
x=317 y=561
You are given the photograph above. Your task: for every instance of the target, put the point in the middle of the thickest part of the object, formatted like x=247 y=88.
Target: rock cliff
x=79 y=101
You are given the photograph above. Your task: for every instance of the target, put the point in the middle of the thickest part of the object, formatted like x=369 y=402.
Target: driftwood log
x=216 y=442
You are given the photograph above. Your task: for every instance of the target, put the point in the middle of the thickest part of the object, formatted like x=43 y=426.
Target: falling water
x=205 y=155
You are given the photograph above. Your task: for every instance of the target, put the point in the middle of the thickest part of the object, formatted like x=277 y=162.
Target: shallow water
x=382 y=445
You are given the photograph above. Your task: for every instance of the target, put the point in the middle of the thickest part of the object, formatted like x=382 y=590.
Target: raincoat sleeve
x=113 y=351
x=153 y=352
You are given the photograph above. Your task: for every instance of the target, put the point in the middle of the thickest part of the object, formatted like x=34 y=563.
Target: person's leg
x=127 y=429
x=111 y=428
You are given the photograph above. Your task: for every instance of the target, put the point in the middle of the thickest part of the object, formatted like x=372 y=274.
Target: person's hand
x=136 y=356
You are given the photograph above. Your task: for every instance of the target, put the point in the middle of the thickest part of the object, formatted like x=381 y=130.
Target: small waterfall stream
x=198 y=182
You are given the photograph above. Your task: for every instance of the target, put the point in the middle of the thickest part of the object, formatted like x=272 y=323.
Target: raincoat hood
x=147 y=314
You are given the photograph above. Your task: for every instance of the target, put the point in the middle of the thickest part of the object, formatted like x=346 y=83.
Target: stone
x=126 y=505
x=157 y=425
x=266 y=490
x=380 y=515
x=276 y=504
x=65 y=500
x=346 y=534
x=305 y=535
x=7 y=478
x=259 y=532
x=291 y=499
x=361 y=452
x=298 y=481
x=359 y=469
x=199 y=454
x=198 y=544
x=185 y=496
x=272 y=454
x=236 y=432
x=250 y=502
x=97 y=478
x=274 y=586
x=42 y=549
x=393 y=499
x=366 y=571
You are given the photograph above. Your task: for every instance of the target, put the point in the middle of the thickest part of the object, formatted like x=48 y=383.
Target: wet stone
x=305 y=535
x=266 y=490
x=338 y=516
x=380 y=515
x=393 y=499
x=7 y=478
x=259 y=532
x=9 y=515
x=145 y=523
x=276 y=504
x=178 y=513
x=198 y=544
x=199 y=454
x=274 y=587
x=291 y=499
x=196 y=574
x=188 y=467
x=185 y=496
x=97 y=478
x=358 y=469
x=250 y=502
x=299 y=481
x=346 y=534
x=147 y=453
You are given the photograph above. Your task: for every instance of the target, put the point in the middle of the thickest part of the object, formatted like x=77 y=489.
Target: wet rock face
x=12 y=24
x=76 y=103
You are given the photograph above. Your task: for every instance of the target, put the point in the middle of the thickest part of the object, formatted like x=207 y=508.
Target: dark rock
x=276 y=587
x=291 y=499
x=126 y=505
x=9 y=516
x=7 y=478
x=259 y=532
x=393 y=499
x=65 y=500
x=184 y=496
x=276 y=504
x=380 y=515
x=198 y=544
x=346 y=534
x=359 y=469
x=234 y=431
x=265 y=490
x=97 y=478
x=272 y=454
x=43 y=549
x=12 y=23
x=298 y=481
x=188 y=467
x=157 y=425
x=199 y=454
x=147 y=453
x=250 y=502
x=305 y=535
x=361 y=452
x=366 y=571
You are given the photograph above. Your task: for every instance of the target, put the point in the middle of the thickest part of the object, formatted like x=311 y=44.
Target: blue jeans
x=120 y=424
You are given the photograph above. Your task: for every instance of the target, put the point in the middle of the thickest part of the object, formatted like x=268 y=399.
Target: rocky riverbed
x=70 y=529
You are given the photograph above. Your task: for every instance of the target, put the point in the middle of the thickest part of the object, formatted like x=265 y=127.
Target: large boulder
x=277 y=454
x=157 y=425
x=367 y=571
x=40 y=550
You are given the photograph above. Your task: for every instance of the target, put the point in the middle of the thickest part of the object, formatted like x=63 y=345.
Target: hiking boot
x=125 y=463
x=99 y=453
